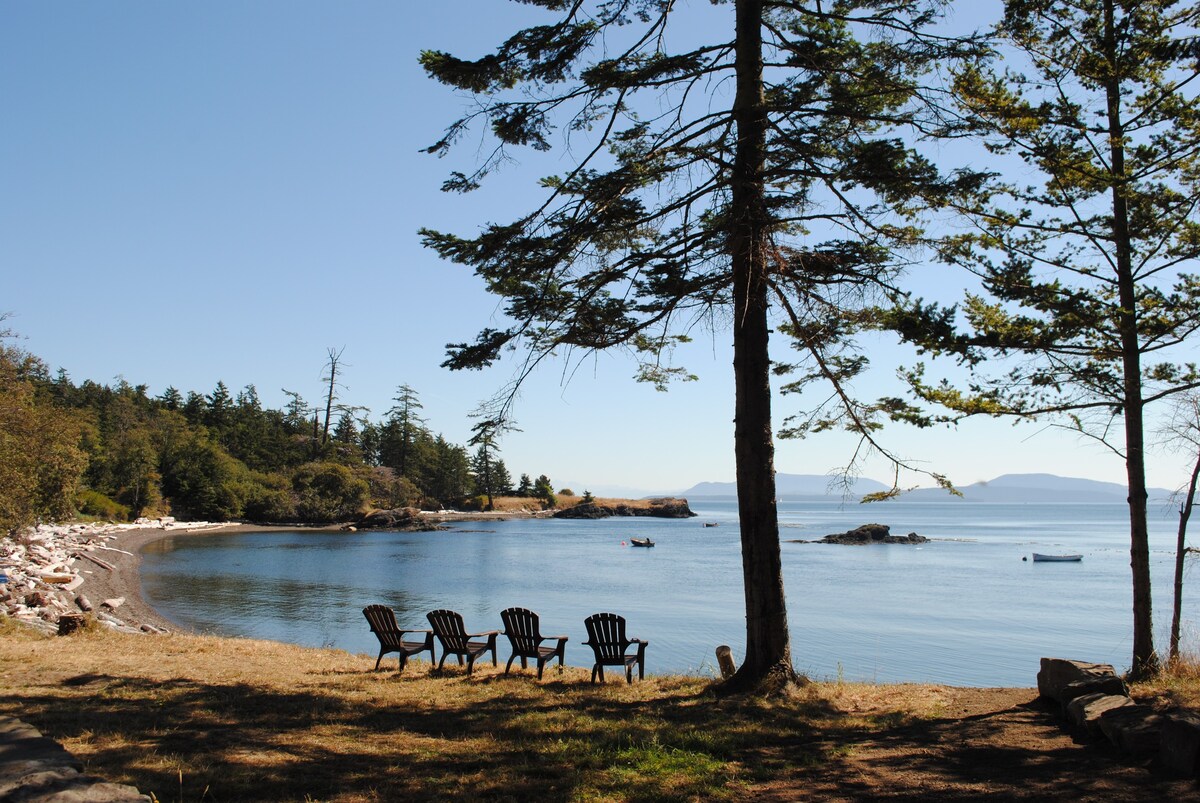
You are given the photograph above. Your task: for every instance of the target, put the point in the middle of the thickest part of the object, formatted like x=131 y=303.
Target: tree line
x=116 y=452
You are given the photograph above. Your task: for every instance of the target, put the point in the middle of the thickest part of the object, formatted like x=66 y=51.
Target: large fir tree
x=732 y=181
x=1085 y=289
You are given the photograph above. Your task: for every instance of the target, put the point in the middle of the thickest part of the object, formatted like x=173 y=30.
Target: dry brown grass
x=204 y=718
x=1177 y=686
x=196 y=717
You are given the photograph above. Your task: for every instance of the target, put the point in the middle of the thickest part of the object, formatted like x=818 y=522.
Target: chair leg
x=628 y=673
x=442 y=661
x=470 y=663
x=541 y=665
x=377 y=660
x=403 y=662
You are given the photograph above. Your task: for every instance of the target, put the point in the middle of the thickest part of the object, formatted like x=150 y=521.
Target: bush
x=476 y=503
x=328 y=492
x=565 y=492
x=388 y=491
x=94 y=503
x=269 y=499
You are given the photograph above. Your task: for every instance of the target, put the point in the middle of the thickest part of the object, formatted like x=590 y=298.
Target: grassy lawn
x=194 y=717
x=202 y=718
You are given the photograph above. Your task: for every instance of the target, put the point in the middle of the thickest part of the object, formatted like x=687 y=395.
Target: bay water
x=969 y=608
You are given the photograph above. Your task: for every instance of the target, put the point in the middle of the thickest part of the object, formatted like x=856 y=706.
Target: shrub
x=565 y=492
x=327 y=492
x=94 y=503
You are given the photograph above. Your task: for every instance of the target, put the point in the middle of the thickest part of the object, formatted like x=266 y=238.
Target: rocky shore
x=55 y=575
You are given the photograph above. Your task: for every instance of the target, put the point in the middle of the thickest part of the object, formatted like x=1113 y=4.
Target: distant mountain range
x=1008 y=488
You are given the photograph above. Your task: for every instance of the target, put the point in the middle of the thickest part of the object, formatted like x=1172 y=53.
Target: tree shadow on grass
x=557 y=740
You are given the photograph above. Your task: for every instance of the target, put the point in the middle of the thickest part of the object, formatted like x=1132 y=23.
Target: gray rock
x=1179 y=747
x=869 y=534
x=1057 y=673
x=1133 y=729
x=1100 y=684
x=1084 y=712
x=34 y=769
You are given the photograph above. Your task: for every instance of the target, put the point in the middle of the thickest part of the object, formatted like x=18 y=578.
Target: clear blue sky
x=193 y=192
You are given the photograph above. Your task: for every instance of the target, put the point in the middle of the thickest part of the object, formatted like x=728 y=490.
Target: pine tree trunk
x=1144 y=659
x=768 y=662
x=1185 y=513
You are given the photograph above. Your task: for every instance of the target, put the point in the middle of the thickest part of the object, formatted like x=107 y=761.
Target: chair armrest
x=416 y=630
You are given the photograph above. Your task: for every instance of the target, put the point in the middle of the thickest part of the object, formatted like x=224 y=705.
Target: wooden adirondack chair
x=521 y=627
x=606 y=637
x=391 y=638
x=449 y=630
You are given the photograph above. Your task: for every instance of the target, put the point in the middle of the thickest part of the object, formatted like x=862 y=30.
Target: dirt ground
x=998 y=744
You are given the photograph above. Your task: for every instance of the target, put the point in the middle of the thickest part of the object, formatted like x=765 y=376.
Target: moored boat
x=1040 y=558
x=641 y=542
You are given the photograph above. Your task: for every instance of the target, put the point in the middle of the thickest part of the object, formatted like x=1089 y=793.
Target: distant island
x=866 y=535
x=1005 y=489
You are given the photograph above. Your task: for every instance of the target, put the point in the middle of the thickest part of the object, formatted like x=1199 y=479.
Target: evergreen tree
x=759 y=207
x=501 y=478
x=1085 y=292
x=449 y=476
x=400 y=433
x=171 y=399
x=544 y=490
x=525 y=488
x=220 y=408
x=195 y=408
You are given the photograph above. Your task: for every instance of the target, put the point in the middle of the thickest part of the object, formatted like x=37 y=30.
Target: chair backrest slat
x=606 y=632
x=381 y=619
x=522 y=627
x=449 y=628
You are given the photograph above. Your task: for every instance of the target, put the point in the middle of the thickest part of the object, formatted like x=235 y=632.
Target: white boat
x=1040 y=558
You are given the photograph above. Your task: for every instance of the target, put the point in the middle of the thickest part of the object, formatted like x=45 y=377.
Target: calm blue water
x=963 y=609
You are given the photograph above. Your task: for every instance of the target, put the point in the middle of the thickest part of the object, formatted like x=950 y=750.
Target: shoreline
x=125 y=580
x=122 y=547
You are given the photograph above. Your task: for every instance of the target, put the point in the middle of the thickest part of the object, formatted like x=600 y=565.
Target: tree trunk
x=768 y=662
x=1144 y=659
x=1185 y=513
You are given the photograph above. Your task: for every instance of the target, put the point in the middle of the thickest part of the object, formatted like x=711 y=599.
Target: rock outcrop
x=657 y=508
x=408 y=519
x=868 y=534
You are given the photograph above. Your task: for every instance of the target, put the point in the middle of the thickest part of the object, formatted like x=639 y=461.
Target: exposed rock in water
x=657 y=508
x=404 y=518
x=868 y=534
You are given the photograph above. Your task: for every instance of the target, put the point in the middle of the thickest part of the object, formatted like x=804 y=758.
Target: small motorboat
x=1040 y=558
x=640 y=542
x=712 y=524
